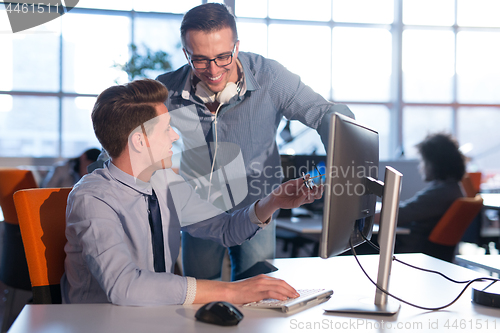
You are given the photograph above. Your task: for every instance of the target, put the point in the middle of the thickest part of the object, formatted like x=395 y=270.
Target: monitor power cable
x=468 y=283
x=373 y=245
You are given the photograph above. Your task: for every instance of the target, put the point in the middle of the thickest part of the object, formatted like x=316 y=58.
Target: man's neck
x=123 y=163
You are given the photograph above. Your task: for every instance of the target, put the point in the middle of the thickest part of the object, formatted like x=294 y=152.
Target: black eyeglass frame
x=208 y=61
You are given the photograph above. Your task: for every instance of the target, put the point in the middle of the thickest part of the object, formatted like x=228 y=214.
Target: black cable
x=412 y=266
x=411 y=304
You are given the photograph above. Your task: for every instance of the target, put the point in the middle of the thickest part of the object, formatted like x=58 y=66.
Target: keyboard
x=306 y=297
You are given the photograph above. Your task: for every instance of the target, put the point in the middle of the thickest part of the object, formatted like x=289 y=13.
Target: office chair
x=471 y=183
x=476 y=179
x=42 y=218
x=448 y=232
x=13 y=268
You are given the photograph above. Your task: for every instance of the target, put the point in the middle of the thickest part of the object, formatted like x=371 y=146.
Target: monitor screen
x=349 y=208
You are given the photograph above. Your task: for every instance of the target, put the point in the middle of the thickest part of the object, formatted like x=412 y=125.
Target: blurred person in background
x=67 y=173
x=442 y=166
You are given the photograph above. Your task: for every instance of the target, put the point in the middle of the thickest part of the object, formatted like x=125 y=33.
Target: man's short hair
x=209 y=17
x=442 y=157
x=121 y=109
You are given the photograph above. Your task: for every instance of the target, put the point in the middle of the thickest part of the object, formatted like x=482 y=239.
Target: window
x=89 y=54
x=405 y=67
x=51 y=74
x=428 y=65
x=361 y=64
x=419 y=121
x=478 y=127
x=478 y=68
x=311 y=59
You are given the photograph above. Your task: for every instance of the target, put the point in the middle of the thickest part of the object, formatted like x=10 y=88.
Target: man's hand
x=288 y=195
x=294 y=193
x=245 y=291
x=258 y=288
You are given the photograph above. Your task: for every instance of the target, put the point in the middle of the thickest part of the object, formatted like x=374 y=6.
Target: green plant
x=138 y=64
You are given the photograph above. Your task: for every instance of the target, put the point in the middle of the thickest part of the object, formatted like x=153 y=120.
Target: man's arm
x=230 y=229
x=298 y=101
x=288 y=195
x=110 y=262
x=324 y=127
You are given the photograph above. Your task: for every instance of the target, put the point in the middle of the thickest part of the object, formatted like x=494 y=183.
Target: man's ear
x=237 y=49
x=137 y=141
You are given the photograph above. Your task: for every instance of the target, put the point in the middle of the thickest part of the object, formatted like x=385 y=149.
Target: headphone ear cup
x=228 y=93
x=205 y=94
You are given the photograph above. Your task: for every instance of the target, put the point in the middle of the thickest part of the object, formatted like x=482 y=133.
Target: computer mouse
x=219 y=313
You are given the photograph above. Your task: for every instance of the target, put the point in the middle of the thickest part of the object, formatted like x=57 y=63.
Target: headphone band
x=208 y=96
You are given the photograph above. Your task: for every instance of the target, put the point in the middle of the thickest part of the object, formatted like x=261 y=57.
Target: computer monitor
x=351 y=190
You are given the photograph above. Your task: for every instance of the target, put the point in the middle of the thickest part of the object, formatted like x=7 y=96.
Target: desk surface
x=491 y=200
x=340 y=274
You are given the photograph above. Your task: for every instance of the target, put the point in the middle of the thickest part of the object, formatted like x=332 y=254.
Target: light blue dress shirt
x=247 y=164
x=109 y=255
x=249 y=122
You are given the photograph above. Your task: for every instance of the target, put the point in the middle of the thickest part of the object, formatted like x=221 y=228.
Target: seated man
x=118 y=249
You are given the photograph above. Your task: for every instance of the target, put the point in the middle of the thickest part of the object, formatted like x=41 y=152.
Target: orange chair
x=476 y=180
x=448 y=232
x=13 y=268
x=471 y=183
x=42 y=218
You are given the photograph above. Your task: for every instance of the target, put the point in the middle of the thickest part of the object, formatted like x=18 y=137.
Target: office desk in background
x=491 y=200
x=490 y=232
x=490 y=263
x=342 y=274
x=311 y=227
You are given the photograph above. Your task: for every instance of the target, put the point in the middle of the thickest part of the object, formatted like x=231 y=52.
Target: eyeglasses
x=220 y=61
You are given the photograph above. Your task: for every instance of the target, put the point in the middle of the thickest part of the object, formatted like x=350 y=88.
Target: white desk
x=491 y=200
x=340 y=274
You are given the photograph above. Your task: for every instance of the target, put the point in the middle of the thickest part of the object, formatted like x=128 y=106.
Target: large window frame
x=396 y=104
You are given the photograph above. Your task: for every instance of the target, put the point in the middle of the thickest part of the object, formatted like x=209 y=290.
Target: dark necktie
x=156 y=233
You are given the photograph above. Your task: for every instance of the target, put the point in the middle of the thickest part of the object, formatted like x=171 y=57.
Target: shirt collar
x=250 y=81
x=128 y=180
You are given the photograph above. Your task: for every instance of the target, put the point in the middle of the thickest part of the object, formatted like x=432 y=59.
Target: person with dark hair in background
x=233 y=99
x=442 y=166
x=123 y=221
x=68 y=173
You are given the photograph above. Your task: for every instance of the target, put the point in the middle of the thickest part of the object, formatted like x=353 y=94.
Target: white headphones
x=223 y=97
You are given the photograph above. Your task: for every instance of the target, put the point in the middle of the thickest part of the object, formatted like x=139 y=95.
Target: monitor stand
x=382 y=305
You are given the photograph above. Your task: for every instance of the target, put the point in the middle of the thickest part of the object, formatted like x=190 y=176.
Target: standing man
x=229 y=99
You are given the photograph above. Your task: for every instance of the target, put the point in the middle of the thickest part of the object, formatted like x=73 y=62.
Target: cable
x=215 y=152
x=412 y=266
x=411 y=304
